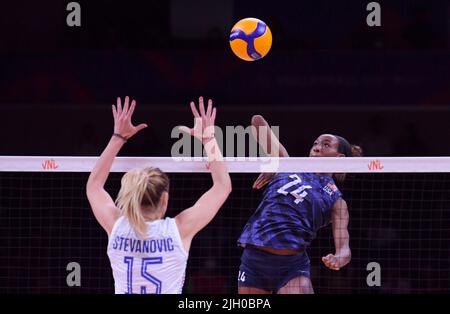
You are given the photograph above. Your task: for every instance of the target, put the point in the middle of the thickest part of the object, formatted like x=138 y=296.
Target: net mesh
x=399 y=220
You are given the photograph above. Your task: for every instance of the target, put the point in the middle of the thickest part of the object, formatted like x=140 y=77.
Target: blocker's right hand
x=204 y=122
x=122 y=118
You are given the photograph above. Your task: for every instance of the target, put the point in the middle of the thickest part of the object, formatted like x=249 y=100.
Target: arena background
x=384 y=88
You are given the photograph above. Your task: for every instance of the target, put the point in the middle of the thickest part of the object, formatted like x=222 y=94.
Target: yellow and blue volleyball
x=250 y=39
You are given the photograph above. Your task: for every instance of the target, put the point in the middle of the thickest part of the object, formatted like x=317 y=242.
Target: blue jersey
x=294 y=207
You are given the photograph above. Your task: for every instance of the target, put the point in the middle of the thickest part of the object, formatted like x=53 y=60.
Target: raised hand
x=122 y=119
x=204 y=121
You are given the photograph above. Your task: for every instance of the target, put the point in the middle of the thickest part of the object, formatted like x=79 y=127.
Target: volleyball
x=250 y=39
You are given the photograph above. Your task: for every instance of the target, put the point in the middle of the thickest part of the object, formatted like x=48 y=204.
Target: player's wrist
x=208 y=134
x=119 y=136
x=343 y=257
x=207 y=139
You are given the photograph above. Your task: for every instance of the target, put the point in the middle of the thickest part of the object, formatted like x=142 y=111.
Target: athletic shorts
x=271 y=272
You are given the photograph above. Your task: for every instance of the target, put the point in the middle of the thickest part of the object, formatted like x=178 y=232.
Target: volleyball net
x=399 y=218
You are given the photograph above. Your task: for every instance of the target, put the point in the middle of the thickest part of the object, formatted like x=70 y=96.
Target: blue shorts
x=271 y=272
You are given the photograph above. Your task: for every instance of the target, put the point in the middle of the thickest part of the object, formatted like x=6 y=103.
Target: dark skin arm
x=343 y=255
x=270 y=144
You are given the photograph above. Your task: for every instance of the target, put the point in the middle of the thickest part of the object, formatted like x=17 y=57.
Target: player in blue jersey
x=294 y=207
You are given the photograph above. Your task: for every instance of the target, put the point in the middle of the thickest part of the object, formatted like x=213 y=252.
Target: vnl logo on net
x=234 y=140
x=49 y=164
x=375 y=165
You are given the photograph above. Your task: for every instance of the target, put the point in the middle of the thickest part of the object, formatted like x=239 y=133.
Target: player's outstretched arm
x=263 y=134
x=339 y=218
x=192 y=220
x=265 y=137
x=102 y=204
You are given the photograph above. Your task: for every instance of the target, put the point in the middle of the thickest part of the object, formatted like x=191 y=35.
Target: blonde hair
x=141 y=189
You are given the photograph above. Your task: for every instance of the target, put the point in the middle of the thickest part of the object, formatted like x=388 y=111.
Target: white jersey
x=154 y=264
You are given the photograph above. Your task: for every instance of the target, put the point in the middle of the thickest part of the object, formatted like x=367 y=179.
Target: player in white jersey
x=148 y=253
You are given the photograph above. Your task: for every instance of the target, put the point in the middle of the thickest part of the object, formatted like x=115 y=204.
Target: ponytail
x=349 y=151
x=356 y=151
x=141 y=189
